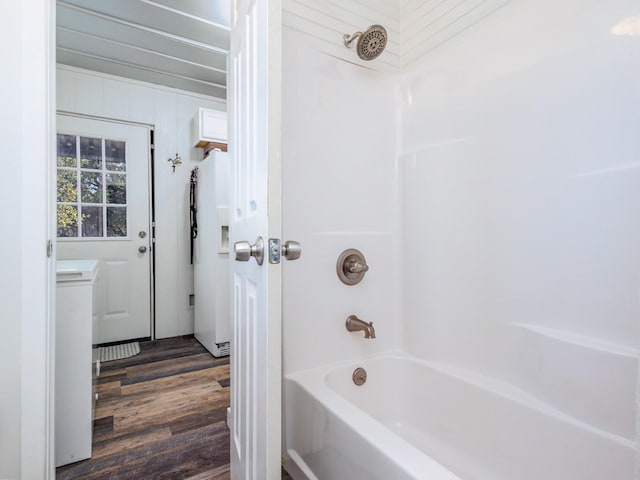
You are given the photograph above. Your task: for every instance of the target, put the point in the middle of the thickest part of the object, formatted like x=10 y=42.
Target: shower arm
x=348 y=39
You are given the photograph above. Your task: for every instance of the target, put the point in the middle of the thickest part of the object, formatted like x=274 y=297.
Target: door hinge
x=49 y=248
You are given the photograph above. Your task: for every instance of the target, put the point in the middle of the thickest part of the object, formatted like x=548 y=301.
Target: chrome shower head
x=371 y=42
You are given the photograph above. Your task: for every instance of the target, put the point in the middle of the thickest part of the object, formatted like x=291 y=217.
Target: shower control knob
x=357 y=267
x=351 y=266
x=244 y=251
x=291 y=250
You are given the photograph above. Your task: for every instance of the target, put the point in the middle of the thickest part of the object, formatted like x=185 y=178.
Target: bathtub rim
x=393 y=447
x=309 y=378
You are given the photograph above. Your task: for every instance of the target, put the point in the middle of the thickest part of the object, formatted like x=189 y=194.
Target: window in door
x=91 y=187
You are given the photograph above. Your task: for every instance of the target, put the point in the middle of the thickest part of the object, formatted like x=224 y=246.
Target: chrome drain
x=359 y=376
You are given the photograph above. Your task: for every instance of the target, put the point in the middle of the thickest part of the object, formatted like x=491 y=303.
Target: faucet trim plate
x=351 y=266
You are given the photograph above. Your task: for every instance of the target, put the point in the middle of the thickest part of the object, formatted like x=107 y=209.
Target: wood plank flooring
x=161 y=415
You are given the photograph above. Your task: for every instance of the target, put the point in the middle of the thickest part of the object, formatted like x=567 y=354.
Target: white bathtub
x=418 y=420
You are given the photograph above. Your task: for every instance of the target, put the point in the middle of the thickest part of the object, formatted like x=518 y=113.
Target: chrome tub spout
x=354 y=324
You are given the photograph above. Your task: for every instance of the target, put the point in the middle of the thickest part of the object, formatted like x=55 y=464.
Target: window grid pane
x=66 y=155
x=67 y=220
x=116 y=221
x=116 y=188
x=91 y=221
x=91 y=153
x=67 y=185
x=114 y=154
x=91 y=187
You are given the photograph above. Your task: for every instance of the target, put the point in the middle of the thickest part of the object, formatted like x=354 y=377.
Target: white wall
x=521 y=189
x=170 y=111
x=10 y=281
x=25 y=130
x=338 y=178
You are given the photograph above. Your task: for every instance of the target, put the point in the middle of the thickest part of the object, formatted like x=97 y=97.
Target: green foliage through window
x=91 y=194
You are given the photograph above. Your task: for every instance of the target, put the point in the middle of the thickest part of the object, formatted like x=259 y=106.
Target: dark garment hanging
x=193 y=208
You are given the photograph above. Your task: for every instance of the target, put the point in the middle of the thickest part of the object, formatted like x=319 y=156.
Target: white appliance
x=75 y=325
x=211 y=255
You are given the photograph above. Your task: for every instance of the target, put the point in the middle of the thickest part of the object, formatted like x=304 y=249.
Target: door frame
x=35 y=78
x=151 y=220
x=274 y=199
x=38 y=30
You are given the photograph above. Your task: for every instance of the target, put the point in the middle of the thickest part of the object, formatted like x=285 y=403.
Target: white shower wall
x=339 y=130
x=342 y=132
x=520 y=161
x=492 y=184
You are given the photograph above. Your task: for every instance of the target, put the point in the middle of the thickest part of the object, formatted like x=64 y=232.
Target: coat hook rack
x=175 y=162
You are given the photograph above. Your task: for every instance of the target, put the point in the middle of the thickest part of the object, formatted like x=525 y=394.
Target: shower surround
x=488 y=169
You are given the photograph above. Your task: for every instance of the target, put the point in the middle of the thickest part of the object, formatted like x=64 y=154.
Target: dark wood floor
x=160 y=415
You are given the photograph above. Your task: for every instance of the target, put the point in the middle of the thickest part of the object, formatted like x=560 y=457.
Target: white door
x=103 y=212
x=254 y=148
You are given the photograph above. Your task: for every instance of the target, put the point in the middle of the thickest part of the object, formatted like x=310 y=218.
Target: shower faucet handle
x=351 y=266
x=357 y=267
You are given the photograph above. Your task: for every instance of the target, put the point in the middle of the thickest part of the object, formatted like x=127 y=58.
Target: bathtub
x=419 y=420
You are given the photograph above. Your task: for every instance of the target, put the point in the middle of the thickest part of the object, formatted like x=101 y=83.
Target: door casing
x=37 y=407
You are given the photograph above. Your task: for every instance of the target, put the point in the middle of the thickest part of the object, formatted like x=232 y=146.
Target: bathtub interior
x=327 y=448
x=328 y=437
x=493 y=186
x=478 y=428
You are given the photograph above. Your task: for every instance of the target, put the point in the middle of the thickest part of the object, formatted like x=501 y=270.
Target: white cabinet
x=73 y=377
x=209 y=126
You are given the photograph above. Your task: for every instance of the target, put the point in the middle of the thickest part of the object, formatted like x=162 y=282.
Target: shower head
x=371 y=42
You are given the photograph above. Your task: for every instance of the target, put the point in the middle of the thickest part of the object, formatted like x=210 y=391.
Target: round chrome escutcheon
x=359 y=376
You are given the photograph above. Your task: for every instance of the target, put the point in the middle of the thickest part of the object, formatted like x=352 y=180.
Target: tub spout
x=354 y=324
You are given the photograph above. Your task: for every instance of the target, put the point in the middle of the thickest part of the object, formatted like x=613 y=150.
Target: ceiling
x=177 y=43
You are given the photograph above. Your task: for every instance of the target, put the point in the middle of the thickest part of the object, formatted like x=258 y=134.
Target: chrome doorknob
x=291 y=250
x=142 y=249
x=244 y=251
